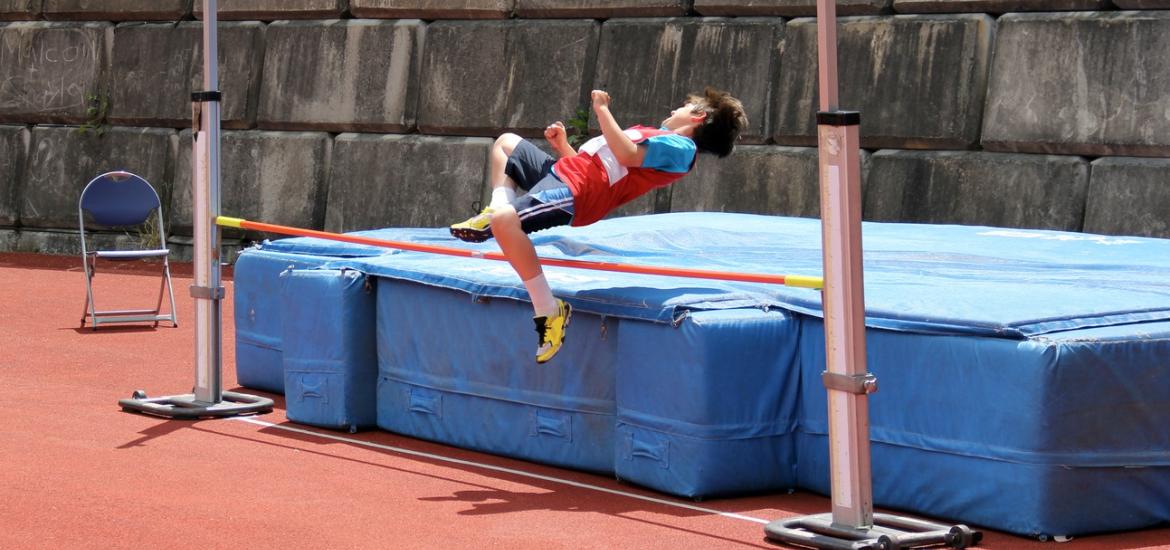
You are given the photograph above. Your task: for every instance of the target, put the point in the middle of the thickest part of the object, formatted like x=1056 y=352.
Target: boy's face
x=689 y=113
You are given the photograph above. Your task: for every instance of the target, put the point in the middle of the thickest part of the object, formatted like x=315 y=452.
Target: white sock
x=543 y=302
x=502 y=196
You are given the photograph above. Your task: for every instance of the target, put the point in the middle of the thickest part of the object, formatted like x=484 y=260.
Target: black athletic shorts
x=547 y=201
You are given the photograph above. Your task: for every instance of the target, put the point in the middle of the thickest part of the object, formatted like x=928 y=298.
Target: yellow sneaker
x=476 y=229
x=550 y=332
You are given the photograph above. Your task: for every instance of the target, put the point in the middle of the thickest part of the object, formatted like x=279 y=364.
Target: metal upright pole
x=207 y=290
x=208 y=398
x=844 y=299
x=851 y=525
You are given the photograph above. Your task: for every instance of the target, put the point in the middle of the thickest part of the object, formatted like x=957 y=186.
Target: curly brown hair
x=725 y=121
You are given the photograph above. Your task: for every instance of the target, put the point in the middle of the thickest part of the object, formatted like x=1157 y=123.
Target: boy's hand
x=600 y=99
x=555 y=132
x=556 y=136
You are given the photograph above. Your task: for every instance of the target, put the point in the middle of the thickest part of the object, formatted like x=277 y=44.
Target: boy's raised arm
x=624 y=149
x=555 y=134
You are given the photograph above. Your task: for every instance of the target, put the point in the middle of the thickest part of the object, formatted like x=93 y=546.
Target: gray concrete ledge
x=117 y=10
x=14 y=141
x=271 y=10
x=432 y=9
x=919 y=81
x=1103 y=91
x=650 y=65
x=787 y=8
x=996 y=6
x=600 y=9
x=1129 y=196
x=275 y=177
x=61 y=162
x=157 y=66
x=404 y=181
x=52 y=72
x=975 y=188
x=482 y=76
x=353 y=75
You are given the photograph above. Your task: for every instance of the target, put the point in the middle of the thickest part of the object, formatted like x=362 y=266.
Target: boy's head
x=713 y=119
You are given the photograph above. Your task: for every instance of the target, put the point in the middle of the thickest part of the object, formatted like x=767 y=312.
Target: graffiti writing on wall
x=47 y=69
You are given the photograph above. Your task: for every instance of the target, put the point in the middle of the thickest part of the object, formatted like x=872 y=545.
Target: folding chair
x=122 y=200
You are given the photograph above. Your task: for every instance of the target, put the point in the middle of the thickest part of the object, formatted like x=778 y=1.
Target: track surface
x=77 y=472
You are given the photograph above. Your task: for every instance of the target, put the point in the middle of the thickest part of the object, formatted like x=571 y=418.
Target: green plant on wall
x=578 y=128
x=148 y=234
x=96 y=114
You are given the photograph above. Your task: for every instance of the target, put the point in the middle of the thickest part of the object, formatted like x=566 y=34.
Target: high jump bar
x=801 y=281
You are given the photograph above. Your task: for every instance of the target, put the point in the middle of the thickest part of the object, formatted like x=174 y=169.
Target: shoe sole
x=471 y=235
x=565 y=338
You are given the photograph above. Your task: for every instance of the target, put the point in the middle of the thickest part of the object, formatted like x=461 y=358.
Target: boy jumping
x=581 y=187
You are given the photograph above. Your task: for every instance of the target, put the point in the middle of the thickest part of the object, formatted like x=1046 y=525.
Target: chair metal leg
x=90 y=309
x=170 y=291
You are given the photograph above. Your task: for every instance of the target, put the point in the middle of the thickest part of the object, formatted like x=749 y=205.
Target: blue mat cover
x=707 y=406
x=1017 y=368
x=461 y=371
x=330 y=357
x=256 y=291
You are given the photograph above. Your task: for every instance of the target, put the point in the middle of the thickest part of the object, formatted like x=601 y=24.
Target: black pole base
x=185 y=407
x=889 y=532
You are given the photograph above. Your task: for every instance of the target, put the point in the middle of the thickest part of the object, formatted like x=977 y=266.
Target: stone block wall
x=355 y=114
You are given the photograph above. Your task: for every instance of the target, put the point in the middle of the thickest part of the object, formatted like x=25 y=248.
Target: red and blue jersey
x=600 y=183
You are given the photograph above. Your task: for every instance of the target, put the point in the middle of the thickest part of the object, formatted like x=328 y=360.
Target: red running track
x=77 y=472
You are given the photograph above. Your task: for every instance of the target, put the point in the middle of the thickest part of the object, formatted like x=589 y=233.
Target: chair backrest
x=119 y=199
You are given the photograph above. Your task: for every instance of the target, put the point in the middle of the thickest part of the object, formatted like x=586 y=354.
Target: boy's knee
x=508 y=142
x=505 y=217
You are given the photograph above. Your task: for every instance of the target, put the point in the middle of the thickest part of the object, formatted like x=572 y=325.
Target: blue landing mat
x=1019 y=370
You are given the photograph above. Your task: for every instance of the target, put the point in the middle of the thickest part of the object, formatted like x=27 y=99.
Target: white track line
x=501 y=469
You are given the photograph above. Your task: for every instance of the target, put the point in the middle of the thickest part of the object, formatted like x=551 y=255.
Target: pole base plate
x=186 y=407
x=889 y=532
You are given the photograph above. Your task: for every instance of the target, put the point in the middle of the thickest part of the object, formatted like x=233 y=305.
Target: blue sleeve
x=669 y=153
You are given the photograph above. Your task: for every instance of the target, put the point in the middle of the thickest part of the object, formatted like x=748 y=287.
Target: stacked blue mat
x=1021 y=372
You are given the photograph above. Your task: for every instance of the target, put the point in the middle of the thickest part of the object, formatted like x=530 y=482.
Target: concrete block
x=431 y=10
x=1080 y=83
x=996 y=6
x=404 y=181
x=8 y=240
x=600 y=9
x=919 y=81
x=61 y=161
x=1129 y=196
x=479 y=77
x=271 y=10
x=20 y=10
x=772 y=180
x=788 y=8
x=157 y=66
x=117 y=10
x=648 y=66
x=49 y=72
x=275 y=177
x=364 y=75
x=14 y=142
x=976 y=188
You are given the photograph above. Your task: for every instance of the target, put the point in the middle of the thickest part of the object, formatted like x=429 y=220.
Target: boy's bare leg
x=551 y=315
x=515 y=244
x=497 y=176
